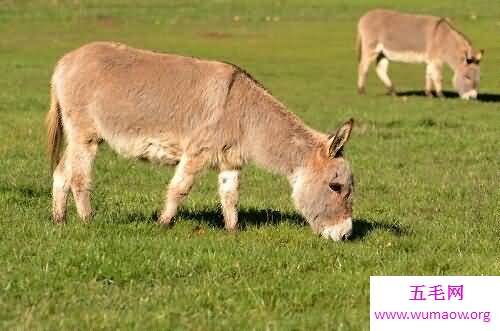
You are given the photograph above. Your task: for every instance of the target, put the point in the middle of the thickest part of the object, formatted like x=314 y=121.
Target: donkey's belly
x=401 y=56
x=165 y=150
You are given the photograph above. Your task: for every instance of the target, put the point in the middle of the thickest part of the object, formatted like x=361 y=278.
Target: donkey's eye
x=335 y=187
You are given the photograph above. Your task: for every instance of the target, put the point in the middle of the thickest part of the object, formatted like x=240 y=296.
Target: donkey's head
x=466 y=77
x=322 y=190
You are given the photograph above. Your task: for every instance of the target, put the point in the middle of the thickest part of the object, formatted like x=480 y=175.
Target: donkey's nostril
x=344 y=237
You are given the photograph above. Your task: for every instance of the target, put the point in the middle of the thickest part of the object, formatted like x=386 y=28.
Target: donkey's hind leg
x=73 y=172
x=60 y=190
x=383 y=73
x=368 y=55
x=228 y=192
x=80 y=159
x=364 y=65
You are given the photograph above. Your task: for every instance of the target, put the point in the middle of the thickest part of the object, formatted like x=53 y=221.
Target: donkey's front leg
x=229 y=182
x=434 y=75
x=179 y=186
x=428 y=81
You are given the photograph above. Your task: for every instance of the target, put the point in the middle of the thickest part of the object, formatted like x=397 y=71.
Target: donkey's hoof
x=165 y=224
x=232 y=229
x=58 y=219
x=429 y=94
x=361 y=91
x=87 y=219
x=440 y=95
x=392 y=92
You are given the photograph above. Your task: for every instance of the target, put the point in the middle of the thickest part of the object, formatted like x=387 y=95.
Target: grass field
x=427 y=176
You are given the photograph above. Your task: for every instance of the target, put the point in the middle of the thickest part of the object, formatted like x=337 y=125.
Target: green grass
x=427 y=173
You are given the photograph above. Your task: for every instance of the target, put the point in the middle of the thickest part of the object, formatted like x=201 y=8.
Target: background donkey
x=194 y=114
x=385 y=35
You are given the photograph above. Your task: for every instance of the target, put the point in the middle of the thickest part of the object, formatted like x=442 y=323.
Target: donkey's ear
x=337 y=141
x=479 y=55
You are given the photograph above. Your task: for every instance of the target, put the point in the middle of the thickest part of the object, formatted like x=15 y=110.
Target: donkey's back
x=401 y=37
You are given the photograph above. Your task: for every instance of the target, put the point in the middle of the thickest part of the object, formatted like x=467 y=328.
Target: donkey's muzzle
x=338 y=232
x=472 y=94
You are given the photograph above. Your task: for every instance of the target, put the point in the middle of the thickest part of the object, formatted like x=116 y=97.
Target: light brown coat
x=192 y=113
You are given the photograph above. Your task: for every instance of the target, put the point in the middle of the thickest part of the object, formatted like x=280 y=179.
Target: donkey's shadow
x=482 y=97
x=253 y=217
x=247 y=217
x=363 y=228
x=212 y=217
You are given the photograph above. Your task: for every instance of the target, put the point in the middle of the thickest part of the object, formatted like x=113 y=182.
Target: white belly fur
x=158 y=150
x=397 y=56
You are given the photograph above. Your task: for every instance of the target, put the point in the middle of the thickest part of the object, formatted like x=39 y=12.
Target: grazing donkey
x=191 y=113
x=385 y=35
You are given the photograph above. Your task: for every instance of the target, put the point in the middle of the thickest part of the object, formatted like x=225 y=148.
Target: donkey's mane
x=241 y=71
x=444 y=20
x=279 y=108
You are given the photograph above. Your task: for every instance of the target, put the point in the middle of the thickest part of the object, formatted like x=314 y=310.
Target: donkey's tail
x=358 y=45
x=54 y=130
